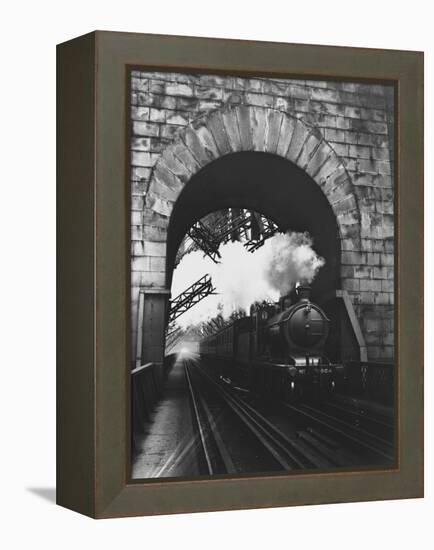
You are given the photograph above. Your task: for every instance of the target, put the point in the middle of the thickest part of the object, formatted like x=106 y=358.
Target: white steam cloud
x=242 y=277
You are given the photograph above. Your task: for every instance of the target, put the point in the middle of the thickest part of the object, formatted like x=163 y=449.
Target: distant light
x=184 y=350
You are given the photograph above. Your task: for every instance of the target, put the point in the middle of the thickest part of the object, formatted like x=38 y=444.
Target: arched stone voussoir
x=230 y=122
x=174 y=167
x=200 y=143
x=242 y=127
x=258 y=127
x=158 y=204
x=185 y=157
x=308 y=149
x=274 y=123
x=169 y=176
x=218 y=131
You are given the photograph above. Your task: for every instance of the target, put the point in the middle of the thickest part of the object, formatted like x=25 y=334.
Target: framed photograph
x=240 y=274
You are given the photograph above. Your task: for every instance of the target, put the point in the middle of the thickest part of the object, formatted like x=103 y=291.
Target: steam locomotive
x=279 y=350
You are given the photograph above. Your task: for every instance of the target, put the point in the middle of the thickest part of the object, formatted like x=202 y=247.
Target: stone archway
x=224 y=132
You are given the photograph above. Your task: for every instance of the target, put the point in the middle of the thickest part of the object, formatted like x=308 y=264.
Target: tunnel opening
x=276 y=188
x=268 y=184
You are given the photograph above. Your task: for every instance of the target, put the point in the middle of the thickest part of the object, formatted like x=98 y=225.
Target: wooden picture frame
x=93 y=388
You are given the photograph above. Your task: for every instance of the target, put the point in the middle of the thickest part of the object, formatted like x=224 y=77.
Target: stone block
x=185 y=156
x=274 y=123
x=300 y=92
x=213 y=80
x=169 y=132
x=354 y=258
x=140 y=144
x=157 y=86
x=341 y=149
x=165 y=184
x=258 y=125
x=143 y=159
x=155 y=233
x=179 y=89
x=377 y=115
x=351 y=137
x=259 y=100
x=167 y=102
x=208 y=105
x=380 y=273
x=352 y=112
x=157 y=115
x=387 y=259
x=205 y=138
x=366 y=297
x=389 y=245
x=159 y=205
x=140 y=113
x=370 y=284
x=285 y=135
x=360 y=151
x=139 y=186
x=157 y=249
x=217 y=128
x=351 y=284
x=176 y=117
x=243 y=117
x=351 y=245
x=154 y=219
x=335 y=135
x=275 y=87
x=140 y=84
x=323 y=94
x=194 y=144
x=299 y=136
x=141 y=263
x=145 y=128
x=157 y=263
x=206 y=92
x=190 y=104
x=137 y=248
x=319 y=158
x=140 y=99
x=350 y=231
x=153 y=279
x=372 y=258
x=373 y=102
x=137 y=202
x=231 y=127
x=347 y=271
x=232 y=98
x=342 y=123
x=307 y=151
x=327 y=168
x=382 y=298
x=136 y=217
x=169 y=166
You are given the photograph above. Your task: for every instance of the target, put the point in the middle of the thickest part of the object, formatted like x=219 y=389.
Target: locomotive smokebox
x=303 y=292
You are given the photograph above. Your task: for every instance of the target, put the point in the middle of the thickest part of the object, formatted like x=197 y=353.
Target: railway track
x=343 y=429
x=217 y=409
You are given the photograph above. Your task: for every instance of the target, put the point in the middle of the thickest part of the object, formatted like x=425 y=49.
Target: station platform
x=169 y=444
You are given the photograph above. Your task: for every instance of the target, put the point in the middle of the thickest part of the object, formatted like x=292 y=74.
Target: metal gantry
x=233 y=224
x=199 y=290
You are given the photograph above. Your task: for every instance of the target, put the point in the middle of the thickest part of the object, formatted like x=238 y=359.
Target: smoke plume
x=242 y=278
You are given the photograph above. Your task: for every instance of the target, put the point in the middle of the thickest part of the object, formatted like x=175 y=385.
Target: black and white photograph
x=262 y=275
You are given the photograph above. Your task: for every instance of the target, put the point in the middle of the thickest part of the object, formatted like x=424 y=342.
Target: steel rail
x=326 y=421
x=287 y=452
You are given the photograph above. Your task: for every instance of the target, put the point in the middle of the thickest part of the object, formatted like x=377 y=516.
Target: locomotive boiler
x=278 y=350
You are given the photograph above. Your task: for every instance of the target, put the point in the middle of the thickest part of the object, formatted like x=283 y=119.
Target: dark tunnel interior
x=268 y=184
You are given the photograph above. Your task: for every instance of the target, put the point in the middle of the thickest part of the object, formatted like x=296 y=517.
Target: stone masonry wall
x=355 y=119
